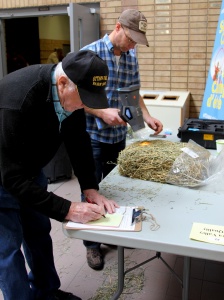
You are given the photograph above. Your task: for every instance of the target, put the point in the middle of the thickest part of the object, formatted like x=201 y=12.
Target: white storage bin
x=170 y=107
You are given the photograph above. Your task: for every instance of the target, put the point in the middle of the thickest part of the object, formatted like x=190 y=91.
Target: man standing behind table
x=117 y=49
x=41 y=106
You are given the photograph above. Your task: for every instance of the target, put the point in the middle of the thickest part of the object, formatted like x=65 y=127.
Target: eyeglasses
x=130 y=41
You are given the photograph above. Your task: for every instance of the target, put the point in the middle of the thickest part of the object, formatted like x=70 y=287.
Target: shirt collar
x=61 y=113
x=109 y=45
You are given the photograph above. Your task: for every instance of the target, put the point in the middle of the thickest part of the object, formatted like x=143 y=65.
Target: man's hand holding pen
x=84 y=212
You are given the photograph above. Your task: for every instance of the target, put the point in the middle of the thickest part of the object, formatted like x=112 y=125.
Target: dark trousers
x=30 y=229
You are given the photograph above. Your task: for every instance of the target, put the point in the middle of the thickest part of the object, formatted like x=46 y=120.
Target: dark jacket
x=30 y=136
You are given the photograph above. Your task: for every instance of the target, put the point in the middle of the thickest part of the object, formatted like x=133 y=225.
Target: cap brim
x=138 y=37
x=93 y=100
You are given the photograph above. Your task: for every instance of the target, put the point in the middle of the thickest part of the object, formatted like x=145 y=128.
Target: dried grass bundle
x=149 y=159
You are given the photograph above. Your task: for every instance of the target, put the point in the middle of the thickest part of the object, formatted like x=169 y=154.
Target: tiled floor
x=152 y=281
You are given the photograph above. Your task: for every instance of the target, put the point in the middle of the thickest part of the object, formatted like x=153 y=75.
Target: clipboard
x=126 y=223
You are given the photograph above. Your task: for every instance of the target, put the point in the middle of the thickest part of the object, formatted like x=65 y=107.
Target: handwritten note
x=111 y=220
x=207 y=233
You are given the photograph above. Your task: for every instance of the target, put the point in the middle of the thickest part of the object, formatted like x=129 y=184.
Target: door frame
x=38 y=12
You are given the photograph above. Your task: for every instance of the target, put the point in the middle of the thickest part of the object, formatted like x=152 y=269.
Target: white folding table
x=174 y=208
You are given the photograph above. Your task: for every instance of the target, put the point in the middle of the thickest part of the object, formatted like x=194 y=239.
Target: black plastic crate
x=203 y=132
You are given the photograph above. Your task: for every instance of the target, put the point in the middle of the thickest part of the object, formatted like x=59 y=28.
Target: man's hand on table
x=84 y=212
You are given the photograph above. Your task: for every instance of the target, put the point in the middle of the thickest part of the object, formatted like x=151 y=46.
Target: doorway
x=83 y=28
x=22 y=42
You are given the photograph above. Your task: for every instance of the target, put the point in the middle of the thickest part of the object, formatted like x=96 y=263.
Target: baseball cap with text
x=136 y=22
x=90 y=73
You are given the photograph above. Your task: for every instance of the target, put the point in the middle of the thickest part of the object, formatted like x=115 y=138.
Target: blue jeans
x=30 y=229
x=105 y=157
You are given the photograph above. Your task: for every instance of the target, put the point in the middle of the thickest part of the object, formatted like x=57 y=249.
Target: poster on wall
x=213 y=101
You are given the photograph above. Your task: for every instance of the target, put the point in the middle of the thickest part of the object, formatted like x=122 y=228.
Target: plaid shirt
x=124 y=74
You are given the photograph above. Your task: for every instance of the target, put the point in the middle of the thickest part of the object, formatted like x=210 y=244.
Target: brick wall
x=181 y=35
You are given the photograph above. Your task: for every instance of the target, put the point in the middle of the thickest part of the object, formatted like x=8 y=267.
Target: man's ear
x=61 y=83
x=118 y=26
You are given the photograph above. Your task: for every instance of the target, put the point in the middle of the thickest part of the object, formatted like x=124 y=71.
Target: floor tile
x=212 y=291
x=214 y=272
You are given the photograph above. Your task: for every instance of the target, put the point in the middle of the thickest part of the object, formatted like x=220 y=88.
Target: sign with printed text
x=213 y=234
x=213 y=101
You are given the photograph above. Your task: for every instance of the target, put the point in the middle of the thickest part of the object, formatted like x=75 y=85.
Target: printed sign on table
x=208 y=233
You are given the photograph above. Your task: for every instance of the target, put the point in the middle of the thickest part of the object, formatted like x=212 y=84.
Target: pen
x=133 y=217
x=89 y=201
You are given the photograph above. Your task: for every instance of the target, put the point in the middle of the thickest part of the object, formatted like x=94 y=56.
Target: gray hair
x=60 y=72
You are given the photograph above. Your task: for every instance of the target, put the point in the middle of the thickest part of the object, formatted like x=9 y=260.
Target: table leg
x=186 y=278
x=120 y=282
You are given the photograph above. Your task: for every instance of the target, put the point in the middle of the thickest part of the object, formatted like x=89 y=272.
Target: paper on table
x=111 y=220
x=213 y=234
x=125 y=225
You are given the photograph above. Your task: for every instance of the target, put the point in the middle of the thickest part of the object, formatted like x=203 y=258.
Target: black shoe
x=61 y=295
x=95 y=259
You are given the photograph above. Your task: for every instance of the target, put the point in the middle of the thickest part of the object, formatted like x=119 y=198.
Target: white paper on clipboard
x=125 y=225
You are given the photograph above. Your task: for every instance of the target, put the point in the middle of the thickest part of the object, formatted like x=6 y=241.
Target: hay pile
x=149 y=160
x=183 y=164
